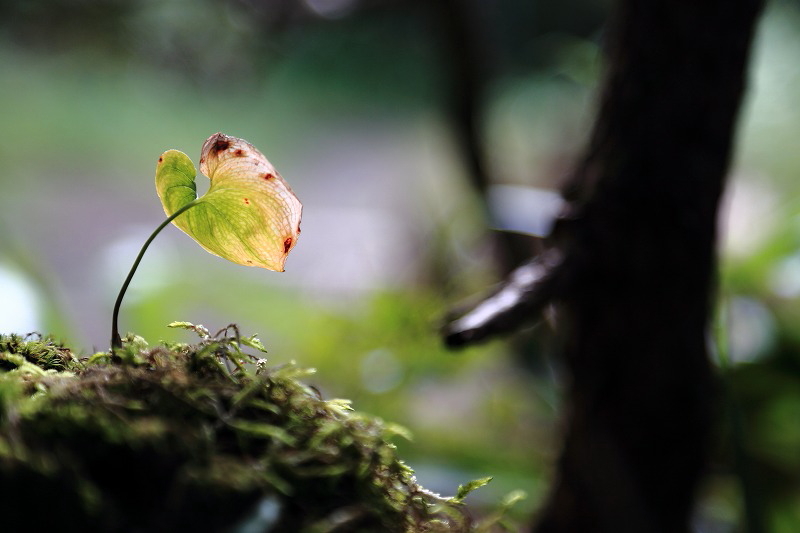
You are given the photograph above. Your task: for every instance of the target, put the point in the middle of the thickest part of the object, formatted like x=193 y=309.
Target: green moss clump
x=199 y=437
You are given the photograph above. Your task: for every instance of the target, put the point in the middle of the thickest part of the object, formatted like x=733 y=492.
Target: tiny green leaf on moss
x=340 y=404
x=263 y=430
x=396 y=430
x=254 y=343
x=464 y=490
x=513 y=497
x=201 y=330
x=181 y=324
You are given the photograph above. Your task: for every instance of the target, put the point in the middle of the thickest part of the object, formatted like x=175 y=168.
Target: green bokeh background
x=349 y=106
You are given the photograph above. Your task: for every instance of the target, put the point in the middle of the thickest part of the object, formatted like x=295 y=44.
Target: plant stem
x=116 y=340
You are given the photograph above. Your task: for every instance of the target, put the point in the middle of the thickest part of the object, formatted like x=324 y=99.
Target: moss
x=199 y=437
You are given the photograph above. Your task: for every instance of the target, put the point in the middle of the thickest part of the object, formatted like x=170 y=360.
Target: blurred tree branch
x=524 y=293
x=470 y=66
x=637 y=268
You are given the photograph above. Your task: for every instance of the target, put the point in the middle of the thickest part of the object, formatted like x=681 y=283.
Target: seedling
x=249 y=215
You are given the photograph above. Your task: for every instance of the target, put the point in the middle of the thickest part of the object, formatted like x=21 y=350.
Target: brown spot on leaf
x=160 y=159
x=287 y=244
x=220 y=146
x=239 y=152
x=247 y=201
x=268 y=176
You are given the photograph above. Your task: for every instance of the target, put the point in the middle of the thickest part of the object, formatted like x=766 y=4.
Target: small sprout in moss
x=245 y=188
x=498 y=518
x=392 y=430
x=513 y=498
x=254 y=343
x=464 y=490
x=201 y=330
x=340 y=405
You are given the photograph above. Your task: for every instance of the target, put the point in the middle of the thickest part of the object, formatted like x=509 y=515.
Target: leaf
x=249 y=215
x=262 y=430
x=253 y=342
x=396 y=430
x=512 y=498
x=340 y=405
x=201 y=330
x=464 y=490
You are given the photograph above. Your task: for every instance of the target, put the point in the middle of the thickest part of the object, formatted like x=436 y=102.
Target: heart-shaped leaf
x=249 y=215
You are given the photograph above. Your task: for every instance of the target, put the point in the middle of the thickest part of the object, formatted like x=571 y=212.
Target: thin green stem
x=116 y=340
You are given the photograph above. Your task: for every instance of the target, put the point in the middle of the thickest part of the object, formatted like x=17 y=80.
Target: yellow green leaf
x=249 y=215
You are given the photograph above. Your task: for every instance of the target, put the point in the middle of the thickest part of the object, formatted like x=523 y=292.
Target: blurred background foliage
x=352 y=101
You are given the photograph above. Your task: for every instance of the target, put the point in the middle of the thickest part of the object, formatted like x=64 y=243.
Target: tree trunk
x=639 y=247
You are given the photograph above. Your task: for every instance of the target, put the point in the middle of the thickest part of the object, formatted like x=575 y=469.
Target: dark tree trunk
x=638 y=247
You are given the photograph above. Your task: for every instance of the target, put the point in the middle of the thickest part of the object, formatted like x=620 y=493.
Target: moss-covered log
x=195 y=438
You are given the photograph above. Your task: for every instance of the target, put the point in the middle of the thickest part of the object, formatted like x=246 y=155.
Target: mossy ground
x=200 y=437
